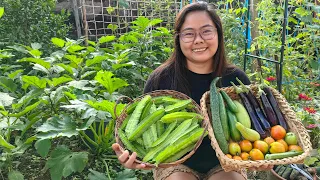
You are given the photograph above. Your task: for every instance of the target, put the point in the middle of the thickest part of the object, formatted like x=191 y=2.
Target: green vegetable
x=135 y=117
x=165 y=134
x=180 y=105
x=128 y=144
x=131 y=107
x=146 y=110
x=160 y=128
x=145 y=124
x=230 y=104
x=282 y=155
x=179 y=116
x=125 y=122
x=147 y=141
x=223 y=118
x=180 y=154
x=242 y=115
x=234 y=132
x=176 y=147
x=216 y=124
x=175 y=133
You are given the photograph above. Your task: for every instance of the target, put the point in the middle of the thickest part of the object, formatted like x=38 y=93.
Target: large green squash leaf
x=57 y=126
x=43 y=146
x=111 y=83
x=63 y=162
x=15 y=175
x=95 y=175
x=127 y=174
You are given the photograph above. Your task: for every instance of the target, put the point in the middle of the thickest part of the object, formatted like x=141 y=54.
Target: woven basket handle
x=117 y=102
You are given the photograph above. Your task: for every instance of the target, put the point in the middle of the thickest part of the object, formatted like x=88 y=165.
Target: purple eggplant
x=280 y=119
x=276 y=108
x=252 y=114
x=256 y=106
x=271 y=115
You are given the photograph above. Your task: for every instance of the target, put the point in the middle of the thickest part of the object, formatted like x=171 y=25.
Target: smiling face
x=199 y=52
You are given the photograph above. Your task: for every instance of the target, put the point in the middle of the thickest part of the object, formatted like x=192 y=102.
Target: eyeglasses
x=205 y=33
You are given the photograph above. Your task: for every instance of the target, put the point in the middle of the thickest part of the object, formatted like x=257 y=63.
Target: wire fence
x=102 y=17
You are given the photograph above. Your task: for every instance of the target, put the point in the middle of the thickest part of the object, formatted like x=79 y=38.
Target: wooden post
x=76 y=17
x=256 y=63
x=84 y=16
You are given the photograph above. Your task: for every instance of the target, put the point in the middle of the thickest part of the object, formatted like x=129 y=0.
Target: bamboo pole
x=76 y=17
x=85 y=22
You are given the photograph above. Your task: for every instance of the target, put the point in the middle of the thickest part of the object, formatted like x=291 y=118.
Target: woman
x=198 y=57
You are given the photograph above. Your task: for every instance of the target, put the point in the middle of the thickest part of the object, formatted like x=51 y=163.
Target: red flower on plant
x=310 y=110
x=311 y=126
x=271 y=78
x=304 y=97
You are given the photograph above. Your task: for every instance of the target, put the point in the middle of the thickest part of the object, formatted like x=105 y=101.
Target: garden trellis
x=96 y=18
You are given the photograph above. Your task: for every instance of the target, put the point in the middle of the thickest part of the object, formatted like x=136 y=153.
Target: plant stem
x=107 y=168
x=88 y=139
x=94 y=132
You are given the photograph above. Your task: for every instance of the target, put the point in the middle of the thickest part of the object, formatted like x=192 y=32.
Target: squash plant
x=55 y=96
x=70 y=94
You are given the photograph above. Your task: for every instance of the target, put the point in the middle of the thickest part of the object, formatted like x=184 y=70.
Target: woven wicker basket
x=294 y=124
x=174 y=94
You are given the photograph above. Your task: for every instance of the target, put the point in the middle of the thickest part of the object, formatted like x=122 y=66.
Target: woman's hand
x=126 y=159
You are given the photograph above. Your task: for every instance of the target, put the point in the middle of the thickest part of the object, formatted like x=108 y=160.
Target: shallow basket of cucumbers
x=252 y=126
x=163 y=127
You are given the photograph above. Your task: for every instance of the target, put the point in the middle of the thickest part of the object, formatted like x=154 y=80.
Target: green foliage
x=72 y=92
x=25 y=22
x=15 y=175
x=63 y=162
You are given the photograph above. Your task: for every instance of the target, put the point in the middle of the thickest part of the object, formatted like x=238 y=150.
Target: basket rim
x=156 y=93
x=231 y=164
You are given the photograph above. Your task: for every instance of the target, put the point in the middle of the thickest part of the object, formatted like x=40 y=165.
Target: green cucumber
x=230 y=104
x=216 y=124
x=282 y=155
x=234 y=132
x=223 y=118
